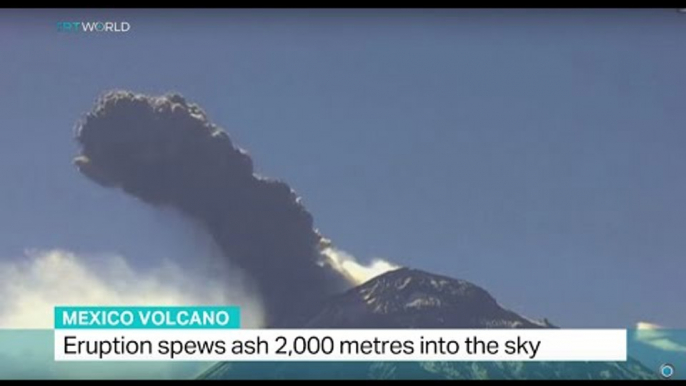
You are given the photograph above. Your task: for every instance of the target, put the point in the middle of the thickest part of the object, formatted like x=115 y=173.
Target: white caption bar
x=341 y=345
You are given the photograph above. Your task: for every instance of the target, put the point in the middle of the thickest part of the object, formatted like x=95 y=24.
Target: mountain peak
x=412 y=298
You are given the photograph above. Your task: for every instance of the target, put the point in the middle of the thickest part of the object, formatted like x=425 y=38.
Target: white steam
x=355 y=272
x=31 y=287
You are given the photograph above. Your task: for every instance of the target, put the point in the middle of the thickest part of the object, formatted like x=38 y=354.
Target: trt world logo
x=93 y=26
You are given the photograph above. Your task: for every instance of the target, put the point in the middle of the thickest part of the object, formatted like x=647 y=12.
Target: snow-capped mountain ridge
x=412 y=298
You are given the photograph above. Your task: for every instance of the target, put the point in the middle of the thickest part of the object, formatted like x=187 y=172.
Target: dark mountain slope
x=408 y=298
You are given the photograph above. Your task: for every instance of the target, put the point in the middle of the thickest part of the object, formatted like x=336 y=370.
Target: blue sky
x=539 y=154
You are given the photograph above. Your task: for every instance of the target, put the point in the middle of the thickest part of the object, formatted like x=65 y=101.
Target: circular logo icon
x=667 y=370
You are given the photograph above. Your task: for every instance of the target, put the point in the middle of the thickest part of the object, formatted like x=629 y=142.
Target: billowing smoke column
x=165 y=151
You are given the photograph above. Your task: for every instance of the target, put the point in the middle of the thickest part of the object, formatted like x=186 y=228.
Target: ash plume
x=165 y=151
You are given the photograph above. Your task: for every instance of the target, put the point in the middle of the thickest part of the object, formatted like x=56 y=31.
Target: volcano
x=166 y=152
x=411 y=298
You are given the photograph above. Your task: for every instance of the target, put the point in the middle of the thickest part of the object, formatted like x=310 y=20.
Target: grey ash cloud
x=166 y=152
